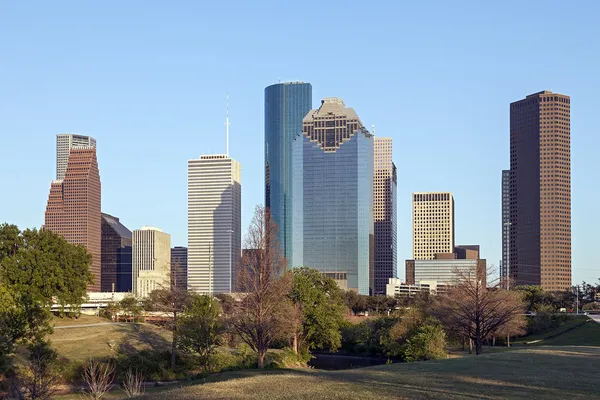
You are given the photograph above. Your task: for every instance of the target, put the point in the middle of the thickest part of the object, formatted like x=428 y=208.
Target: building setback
x=286 y=104
x=73 y=208
x=179 y=265
x=116 y=256
x=214 y=223
x=433 y=224
x=333 y=196
x=151 y=261
x=64 y=143
x=540 y=191
x=384 y=211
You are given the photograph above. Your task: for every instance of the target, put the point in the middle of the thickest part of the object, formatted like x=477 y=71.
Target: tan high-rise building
x=385 y=181
x=73 y=208
x=433 y=224
x=151 y=260
x=540 y=191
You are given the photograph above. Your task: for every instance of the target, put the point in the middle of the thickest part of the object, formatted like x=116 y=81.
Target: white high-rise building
x=433 y=224
x=151 y=260
x=214 y=223
x=64 y=143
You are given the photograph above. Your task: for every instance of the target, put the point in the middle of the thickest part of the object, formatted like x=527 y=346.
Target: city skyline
x=134 y=103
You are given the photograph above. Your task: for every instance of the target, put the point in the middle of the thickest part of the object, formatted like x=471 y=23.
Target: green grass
x=540 y=373
x=576 y=331
x=78 y=344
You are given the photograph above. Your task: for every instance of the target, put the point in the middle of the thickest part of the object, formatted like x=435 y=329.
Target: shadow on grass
x=137 y=336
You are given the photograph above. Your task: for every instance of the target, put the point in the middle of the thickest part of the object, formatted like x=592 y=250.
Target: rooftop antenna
x=373 y=129
x=227 y=125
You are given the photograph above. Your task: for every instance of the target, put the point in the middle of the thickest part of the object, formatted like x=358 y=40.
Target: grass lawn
x=537 y=373
x=576 y=331
x=77 y=344
x=83 y=319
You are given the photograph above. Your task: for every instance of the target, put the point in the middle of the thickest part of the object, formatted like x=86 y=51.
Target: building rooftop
x=119 y=228
x=150 y=228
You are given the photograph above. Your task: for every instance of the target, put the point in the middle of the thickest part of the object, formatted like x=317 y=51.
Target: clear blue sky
x=148 y=80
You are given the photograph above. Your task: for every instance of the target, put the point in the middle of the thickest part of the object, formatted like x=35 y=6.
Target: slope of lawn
x=540 y=373
x=576 y=331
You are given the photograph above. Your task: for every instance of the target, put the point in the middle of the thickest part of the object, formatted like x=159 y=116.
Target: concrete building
x=540 y=191
x=332 y=200
x=214 y=223
x=443 y=270
x=116 y=256
x=286 y=104
x=504 y=264
x=179 y=266
x=384 y=212
x=64 y=143
x=396 y=288
x=74 y=205
x=433 y=224
x=151 y=260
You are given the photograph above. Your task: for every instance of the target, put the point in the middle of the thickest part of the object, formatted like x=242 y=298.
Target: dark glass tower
x=116 y=255
x=286 y=104
x=333 y=196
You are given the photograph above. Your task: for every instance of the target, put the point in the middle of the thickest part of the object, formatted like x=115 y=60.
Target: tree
x=474 y=310
x=131 y=307
x=36 y=379
x=355 y=302
x=533 y=296
x=319 y=302
x=428 y=343
x=263 y=314
x=171 y=300
x=201 y=328
x=98 y=377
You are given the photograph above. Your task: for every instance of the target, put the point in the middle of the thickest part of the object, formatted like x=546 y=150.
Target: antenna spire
x=227 y=125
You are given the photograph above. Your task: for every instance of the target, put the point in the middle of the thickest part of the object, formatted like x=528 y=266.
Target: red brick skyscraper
x=540 y=191
x=73 y=209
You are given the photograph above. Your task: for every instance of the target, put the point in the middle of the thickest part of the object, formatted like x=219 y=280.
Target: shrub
x=591 y=307
x=544 y=322
x=429 y=343
x=289 y=359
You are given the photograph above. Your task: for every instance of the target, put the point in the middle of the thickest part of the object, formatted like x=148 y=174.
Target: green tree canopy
x=320 y=303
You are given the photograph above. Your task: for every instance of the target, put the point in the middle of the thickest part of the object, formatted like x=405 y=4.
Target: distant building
x=445 y=270
x=396 y=288
x=151 y=260
x=433 y=224
x=64 y=144
x=286 y=104
x=179 y=265
x=384 y=211
x=333 y=195
x=504 y=265
x=74 y=205
x=540 y=191
x=214 y=223
x=116 y=256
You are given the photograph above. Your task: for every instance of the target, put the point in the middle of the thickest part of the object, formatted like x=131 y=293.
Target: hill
x=540 y=373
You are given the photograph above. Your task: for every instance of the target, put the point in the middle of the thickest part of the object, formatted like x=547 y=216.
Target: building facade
x=384 y=212
x=540 y=191
x=151 y=261
x=179 y=263
x=116 y=256
x=286 y=104
x=504 y=264
x=74 y=205
x=446 y=271
x=332 y=204
x=433 y=224
x=64 y=143
x=214 y=223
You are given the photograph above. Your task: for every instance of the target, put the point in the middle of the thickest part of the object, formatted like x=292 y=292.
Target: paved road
x=87 y=325
x=595 y=317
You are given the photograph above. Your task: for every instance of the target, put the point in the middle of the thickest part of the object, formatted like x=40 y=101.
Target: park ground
x=564 y=363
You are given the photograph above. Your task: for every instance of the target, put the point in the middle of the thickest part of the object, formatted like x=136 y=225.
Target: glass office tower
x=333 y=196
x=286 y=104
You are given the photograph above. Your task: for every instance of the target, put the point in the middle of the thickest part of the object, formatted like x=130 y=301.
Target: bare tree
x=261 y=315
x=98 y=377
x=133 y=384
x=475 y=311
x=37 y=379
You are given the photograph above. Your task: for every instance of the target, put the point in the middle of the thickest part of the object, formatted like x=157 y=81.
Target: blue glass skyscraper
x=286 y=104
x=333 y=196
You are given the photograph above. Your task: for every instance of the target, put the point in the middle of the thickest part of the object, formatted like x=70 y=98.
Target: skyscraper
x=64 y=143
x=179 y=263
x=214 y=223
x=73 y=208
x=384 y=211
x=286 y=104
x=540 y=191
x=151 y=261
x=433 y=224
x=332 y=190
x=116 y=255
x=504 y=266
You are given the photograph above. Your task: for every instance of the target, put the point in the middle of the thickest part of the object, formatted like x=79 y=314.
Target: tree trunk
x=463 y=343
x=174 y=341
x=470 y=346
x=493 y=341
x=261 y=359
x=507 y=340
x=296 y=343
